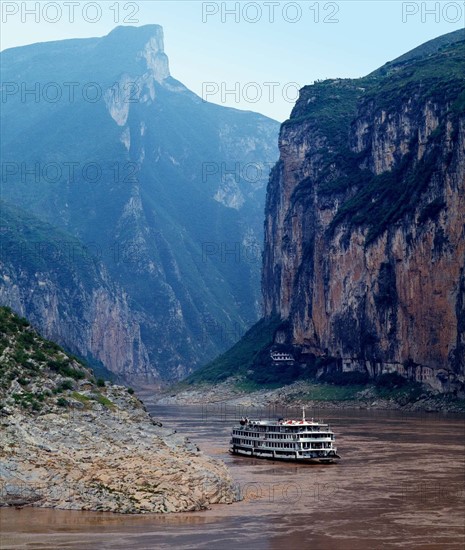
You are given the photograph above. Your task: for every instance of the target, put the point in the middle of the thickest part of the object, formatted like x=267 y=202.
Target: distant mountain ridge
x=138 y=163
x=429 y=48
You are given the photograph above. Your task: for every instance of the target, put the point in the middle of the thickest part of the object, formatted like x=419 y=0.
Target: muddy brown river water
x=401 y=484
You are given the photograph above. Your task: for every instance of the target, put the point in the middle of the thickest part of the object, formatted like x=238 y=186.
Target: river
x=400 y=484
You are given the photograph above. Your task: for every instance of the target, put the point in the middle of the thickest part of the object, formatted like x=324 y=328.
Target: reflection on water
x=401 y=484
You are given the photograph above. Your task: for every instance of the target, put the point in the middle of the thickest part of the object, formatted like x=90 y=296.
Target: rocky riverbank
x=69 y=441
x=312 y=395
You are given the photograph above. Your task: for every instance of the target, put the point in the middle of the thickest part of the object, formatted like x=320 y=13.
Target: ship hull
x=285 y=457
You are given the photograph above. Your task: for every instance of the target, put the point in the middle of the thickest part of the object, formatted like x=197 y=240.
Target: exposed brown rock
x=389 y=302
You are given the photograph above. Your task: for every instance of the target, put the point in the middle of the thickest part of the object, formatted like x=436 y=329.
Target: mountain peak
x=147 y=40
x=128 y=30
x=154 y=54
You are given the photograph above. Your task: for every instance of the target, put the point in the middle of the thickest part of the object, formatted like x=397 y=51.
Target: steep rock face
x=168 y=206
x=53 y=279
x=365 y=234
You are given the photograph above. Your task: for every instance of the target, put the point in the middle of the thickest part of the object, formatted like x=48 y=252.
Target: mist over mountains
x=160 y=191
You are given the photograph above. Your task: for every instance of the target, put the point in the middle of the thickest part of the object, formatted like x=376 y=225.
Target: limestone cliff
x=365 y=235
x=50 y=277
x=175 y=183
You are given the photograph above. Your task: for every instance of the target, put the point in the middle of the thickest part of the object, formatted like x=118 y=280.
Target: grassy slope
x=38 y=375
x=241 y=357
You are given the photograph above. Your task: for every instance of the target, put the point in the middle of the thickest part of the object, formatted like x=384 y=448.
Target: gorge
x=364 y=262
x=144 y=181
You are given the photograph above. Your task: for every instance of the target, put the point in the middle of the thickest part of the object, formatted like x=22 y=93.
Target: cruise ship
x=292 y=440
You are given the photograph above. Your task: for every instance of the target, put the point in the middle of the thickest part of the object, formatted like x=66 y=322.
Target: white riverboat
x=292 y=440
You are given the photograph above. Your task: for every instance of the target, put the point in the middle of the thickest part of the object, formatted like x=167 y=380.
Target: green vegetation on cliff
x=36 y=247
x=69 y=442
x=37 y=374
x=433 y=74
x=243 y=356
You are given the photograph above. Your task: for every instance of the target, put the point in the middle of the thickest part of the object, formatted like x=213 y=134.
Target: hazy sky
x=249 y=55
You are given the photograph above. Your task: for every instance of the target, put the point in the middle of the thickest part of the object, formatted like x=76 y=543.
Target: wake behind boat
x=291 y=440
